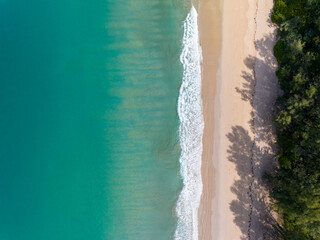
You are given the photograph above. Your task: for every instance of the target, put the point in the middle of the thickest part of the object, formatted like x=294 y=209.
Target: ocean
x=101 y=120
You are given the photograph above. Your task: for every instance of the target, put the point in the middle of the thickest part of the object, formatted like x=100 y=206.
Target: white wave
x=190 y=131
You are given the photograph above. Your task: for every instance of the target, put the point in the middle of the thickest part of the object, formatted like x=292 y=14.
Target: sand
x=239 y=92
x=210 y=41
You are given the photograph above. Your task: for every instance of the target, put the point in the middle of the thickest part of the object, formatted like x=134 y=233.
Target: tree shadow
x=252 y=211
x=254 y=153
x=240 y=154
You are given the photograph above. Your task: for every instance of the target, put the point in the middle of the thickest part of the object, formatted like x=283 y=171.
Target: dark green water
x=89 y=127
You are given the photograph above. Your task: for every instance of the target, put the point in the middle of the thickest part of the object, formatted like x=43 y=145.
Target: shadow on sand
x=253 y=153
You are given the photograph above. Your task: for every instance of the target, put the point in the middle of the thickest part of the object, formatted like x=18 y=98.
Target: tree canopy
x=296 y=184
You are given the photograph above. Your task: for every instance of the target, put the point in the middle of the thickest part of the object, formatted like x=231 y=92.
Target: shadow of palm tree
x=255 y=156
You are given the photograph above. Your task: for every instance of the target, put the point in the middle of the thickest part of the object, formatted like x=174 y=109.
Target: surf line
x=190 y=131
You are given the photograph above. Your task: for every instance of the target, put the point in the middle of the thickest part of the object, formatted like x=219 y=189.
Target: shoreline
x=239 y=89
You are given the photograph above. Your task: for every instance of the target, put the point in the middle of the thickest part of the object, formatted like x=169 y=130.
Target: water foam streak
x=190 y=131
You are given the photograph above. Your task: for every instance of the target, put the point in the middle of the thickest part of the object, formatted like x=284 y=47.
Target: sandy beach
x=239 y=92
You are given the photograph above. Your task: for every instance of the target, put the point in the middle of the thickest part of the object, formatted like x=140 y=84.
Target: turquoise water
x=89 y=141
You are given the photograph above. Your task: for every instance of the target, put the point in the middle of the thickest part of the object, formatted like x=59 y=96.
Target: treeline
x=296 y=184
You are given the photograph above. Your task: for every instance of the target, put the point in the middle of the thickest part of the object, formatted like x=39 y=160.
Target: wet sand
x=210 y=41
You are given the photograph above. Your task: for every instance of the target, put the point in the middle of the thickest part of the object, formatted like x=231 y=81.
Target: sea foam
x=190 y=131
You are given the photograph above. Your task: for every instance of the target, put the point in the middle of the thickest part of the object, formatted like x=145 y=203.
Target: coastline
x=239 y=89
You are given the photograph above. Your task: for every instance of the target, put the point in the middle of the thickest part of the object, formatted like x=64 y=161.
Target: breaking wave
x=190 y=131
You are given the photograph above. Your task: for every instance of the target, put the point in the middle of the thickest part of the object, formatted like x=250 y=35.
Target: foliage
x=296 y=184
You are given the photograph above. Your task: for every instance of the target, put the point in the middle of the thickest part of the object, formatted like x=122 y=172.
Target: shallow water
x=89 y=123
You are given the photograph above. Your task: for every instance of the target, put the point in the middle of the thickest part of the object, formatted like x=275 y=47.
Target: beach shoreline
x=239 y=89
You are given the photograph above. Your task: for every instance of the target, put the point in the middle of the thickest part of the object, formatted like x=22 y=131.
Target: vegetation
x=296 y=184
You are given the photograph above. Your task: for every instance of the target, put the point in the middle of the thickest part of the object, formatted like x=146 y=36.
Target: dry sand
x=239 y=91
